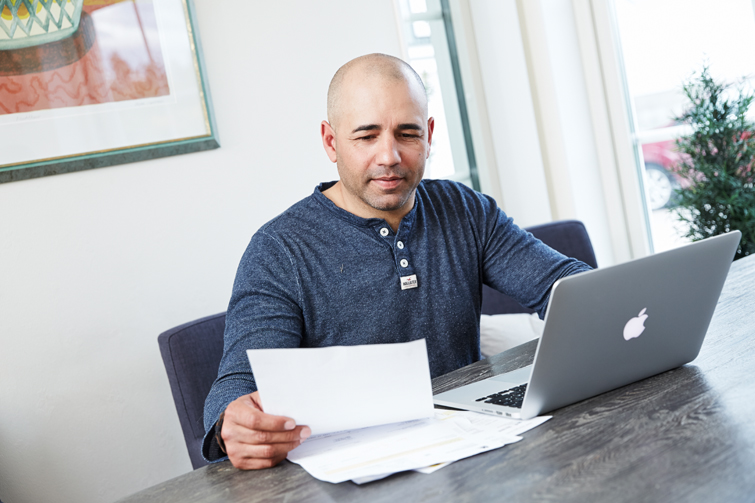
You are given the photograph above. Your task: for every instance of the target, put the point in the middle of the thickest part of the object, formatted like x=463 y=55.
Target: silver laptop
x=610 y=327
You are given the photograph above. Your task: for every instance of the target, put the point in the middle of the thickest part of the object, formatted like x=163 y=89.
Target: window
x=431 y=52
x=662 y=43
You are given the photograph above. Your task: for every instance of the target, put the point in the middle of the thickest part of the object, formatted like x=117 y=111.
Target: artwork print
x=101 y=66
x=123 y=63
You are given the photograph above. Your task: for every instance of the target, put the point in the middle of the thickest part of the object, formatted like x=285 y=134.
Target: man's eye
x=408 y=135
x=368 y=137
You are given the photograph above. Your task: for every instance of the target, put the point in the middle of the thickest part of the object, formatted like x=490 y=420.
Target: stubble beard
x=382 y=202
x=378 y=202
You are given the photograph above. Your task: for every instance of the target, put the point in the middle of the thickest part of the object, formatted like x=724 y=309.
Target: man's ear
x=328 y=140
x=430 y=129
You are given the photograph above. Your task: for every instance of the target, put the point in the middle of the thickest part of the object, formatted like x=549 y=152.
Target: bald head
x=372 y=67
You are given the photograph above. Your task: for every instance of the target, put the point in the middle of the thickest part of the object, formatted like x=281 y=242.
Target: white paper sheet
x=345 y=387
x=373 y=453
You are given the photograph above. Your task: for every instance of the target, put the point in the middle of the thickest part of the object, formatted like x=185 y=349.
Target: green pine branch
x=717 y=162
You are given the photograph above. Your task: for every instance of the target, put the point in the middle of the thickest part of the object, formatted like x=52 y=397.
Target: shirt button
x=384 y=231
x=404 y=262
x=400 y=245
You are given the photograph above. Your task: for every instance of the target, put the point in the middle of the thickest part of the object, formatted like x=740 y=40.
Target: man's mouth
x=388 y=182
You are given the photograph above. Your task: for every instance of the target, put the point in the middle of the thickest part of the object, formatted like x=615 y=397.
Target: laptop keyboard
x=511 y=397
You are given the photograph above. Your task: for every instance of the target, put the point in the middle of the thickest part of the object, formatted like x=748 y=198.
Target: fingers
x=246 y=422
x=249 y=463
x=251 y=457
x=255 y=440
x=246 y=412
x=250 y=433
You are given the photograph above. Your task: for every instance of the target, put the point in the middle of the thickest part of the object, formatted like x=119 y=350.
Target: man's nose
x=388 y=154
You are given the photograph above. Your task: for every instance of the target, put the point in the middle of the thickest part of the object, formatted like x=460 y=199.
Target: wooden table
x=684 y=435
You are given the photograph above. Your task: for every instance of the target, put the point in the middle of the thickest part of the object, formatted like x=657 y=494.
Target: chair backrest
x=567 y=236
x=191 y=353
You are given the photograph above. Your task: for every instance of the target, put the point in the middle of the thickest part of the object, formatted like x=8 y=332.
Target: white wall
x=96 y=264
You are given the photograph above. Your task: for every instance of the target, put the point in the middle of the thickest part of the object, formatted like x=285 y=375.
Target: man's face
x=381 y=140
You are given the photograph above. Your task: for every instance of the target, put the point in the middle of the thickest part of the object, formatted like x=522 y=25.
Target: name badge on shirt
x=408 y=282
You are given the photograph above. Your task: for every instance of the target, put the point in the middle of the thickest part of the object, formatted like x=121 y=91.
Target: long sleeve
x=519 y=265
x=264 y=312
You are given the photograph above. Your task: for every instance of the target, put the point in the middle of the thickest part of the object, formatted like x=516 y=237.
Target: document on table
x=345 y=387
x=424 y=445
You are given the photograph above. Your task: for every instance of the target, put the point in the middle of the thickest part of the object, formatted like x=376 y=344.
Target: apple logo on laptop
x=635 y=326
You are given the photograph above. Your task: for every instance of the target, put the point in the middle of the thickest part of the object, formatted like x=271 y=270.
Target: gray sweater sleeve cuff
x=210 y=448
x=223 y=392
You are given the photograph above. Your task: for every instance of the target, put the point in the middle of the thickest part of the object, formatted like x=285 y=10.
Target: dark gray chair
x=191 y=352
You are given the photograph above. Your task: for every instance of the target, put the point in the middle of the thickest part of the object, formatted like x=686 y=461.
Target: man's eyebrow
x=366 y=127
x=373 y=127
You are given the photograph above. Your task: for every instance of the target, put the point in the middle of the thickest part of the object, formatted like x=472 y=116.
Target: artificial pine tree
x=717 y=160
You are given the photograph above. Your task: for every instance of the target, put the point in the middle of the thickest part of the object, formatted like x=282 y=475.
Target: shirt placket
x=401 y=254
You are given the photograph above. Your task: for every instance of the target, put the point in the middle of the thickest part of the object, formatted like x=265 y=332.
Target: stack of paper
x=378 y=401
x=424 y=445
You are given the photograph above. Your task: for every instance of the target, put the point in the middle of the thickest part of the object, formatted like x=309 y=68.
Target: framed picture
x=92 y=83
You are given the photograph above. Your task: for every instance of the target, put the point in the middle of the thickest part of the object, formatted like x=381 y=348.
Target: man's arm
x=264 y=312
x=518 y=264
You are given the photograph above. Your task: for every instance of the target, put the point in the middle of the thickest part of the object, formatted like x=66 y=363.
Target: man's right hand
x=255 y=440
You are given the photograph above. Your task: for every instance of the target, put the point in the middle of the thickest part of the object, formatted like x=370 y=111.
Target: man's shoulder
x=453 y=196
x=298 y=215
x=444 y=189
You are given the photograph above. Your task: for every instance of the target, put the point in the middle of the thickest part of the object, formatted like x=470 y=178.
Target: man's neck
x=340 y=198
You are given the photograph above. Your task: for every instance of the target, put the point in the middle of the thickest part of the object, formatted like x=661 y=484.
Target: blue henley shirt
x=317 y=275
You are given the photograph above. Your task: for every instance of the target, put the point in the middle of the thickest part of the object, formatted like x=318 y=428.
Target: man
x=379 y=256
